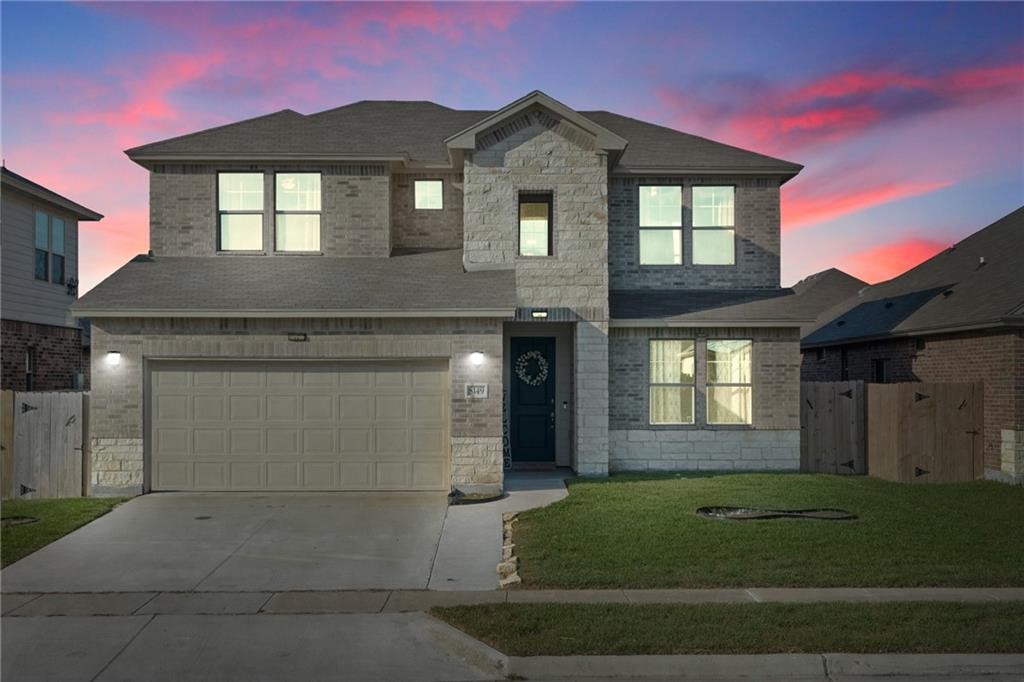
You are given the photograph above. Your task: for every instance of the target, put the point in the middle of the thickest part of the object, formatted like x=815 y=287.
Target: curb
x=467 y=649
x=798 y=667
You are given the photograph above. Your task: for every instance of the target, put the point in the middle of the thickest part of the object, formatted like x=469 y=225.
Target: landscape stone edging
x=508 y=567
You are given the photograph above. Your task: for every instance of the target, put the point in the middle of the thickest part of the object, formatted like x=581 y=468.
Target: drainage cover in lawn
x=747 y=513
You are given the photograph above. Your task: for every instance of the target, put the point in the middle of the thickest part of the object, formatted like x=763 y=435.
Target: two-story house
x=40 y=342
x=403 y=296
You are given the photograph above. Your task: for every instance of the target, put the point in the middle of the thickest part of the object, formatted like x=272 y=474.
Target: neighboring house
x=41 y=348
x=403 y=296
x=957 y=317
x=823 y=291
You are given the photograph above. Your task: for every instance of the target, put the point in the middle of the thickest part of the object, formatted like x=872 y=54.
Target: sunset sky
x=907 y=117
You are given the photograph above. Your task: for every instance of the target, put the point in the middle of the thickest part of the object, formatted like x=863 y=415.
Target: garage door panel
x=302 y=425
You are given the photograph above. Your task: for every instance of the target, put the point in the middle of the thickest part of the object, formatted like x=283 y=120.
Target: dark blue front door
x=532 y=400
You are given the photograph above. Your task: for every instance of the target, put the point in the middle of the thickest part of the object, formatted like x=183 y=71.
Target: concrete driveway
x=244 y=542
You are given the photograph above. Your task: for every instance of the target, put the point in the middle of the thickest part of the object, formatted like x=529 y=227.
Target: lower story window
x=671 y=381
x=729 y=390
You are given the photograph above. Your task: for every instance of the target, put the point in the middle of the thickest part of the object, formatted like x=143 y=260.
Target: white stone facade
x=705 y=449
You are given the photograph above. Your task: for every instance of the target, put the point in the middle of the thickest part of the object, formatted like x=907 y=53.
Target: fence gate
x=44 y=457
x=832 y=428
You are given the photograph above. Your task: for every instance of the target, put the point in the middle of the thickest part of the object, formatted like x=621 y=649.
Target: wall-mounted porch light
x=113 y=358
x=476 y=358
x=538 y=314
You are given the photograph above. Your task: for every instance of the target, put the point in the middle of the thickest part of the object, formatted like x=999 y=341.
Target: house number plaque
x=476 y=391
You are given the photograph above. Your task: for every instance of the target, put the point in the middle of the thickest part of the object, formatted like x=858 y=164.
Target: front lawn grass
x=623 y=629
x=643 y=532
x=57 y=518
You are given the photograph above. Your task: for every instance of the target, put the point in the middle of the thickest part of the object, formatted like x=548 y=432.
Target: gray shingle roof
x=952 y=290
x=823 y=291
x=694 y=307
x=417 y=131
x=20 y=182
x=424 y=283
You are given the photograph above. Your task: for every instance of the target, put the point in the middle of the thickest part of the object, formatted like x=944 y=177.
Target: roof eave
x=785 y=172
x=85 y=311
x=143 y=159
x=698 y=322
x=919 y=331
x=43 y=194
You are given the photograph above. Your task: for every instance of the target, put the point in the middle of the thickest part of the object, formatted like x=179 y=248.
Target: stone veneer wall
x=116 y=415
x=758 y=244
x=413 y=228
x=771 y=442
x=536 y=152
x=354 y=219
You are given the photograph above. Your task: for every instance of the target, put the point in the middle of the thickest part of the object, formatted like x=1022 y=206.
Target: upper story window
x=240 y=211
x=671 y=381
x=730 y=390
x=49 y=253
x=661 y=225
x=429 y=194
x=297 y=212
x=535 y=219
x=714 y=233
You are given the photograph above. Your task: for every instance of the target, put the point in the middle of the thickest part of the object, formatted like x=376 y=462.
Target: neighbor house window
x=42 y=246
x=714 y=233
x=429 y=194
x=57 y=250
x=729 y=390
x=880 y=370
x=661 y=225
x=671 y=382
x=297 y=212
x=535 y=217
x=240 y=211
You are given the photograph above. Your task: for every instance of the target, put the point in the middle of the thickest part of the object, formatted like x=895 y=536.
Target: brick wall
x=355 y=208
x=757 y=219
x=58 y=356
x=426 y=228
x=996 y=358
x=117 y=394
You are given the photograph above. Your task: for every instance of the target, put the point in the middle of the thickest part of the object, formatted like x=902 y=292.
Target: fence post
x=7 y=444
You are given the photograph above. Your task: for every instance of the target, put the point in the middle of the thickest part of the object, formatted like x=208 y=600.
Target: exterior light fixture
x=297 y=336
x=476 y=358
x=539 y=314
x=113 y=358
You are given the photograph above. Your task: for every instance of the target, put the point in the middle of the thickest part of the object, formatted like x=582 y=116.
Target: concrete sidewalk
x=399 y=601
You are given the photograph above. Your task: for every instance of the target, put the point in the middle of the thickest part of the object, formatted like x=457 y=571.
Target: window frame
x=221 y=213
x=318 y=213
x=651 y=384
x=680 y=228
x=880 y=371
x=694 y=228
x=535 y=197
x=35 y=246
x=425 y=208
x=63 y=253
x=708 y=384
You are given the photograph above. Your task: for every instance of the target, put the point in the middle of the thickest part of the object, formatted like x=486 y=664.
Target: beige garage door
x=298 y=426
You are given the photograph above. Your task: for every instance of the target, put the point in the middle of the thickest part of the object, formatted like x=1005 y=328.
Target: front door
x=532 y=408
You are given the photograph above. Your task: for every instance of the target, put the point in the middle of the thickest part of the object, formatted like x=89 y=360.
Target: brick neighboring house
x=41 y=347
x=403 y=296
x=957 y=317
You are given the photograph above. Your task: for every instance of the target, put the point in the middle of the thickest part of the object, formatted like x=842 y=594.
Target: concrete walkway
x=470 y=546
x=400 y=601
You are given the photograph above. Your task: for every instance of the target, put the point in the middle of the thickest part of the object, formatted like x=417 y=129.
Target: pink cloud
x=801 y=207
x=886 y=261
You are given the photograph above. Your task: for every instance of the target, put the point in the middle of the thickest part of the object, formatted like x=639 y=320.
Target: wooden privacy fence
x=923 y=432
x=832 y=431
x=43 y=437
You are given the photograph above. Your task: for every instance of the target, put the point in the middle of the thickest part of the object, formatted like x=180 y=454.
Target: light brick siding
x=117 y=424
x=354 y=209
x=535 y=152
x=771 y=442
x=757 y=221
x=57 y=352
x=426 y=228
x=995 y=358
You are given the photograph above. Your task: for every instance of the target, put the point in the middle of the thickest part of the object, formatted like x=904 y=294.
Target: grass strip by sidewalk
x=648 y=629
x=635 y=531
x=57 y=518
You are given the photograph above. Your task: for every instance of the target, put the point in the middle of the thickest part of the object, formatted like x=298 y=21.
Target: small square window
x=429 y=194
